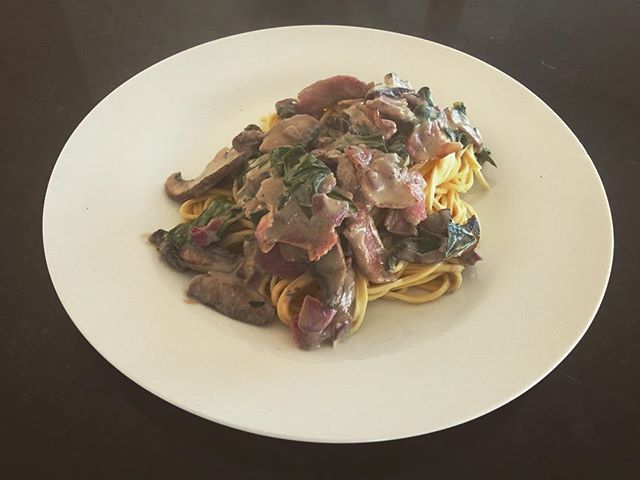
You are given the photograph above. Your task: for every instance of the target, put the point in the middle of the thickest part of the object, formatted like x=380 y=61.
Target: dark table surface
x=64 y=409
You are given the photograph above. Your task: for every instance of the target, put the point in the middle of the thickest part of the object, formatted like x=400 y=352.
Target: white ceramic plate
x=547 y=247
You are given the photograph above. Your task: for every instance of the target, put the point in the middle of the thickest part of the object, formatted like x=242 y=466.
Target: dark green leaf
x=391 y=263
x=485 y=156
x=460 y=106
x=255 y=217
x=309 y=169
x=430 y=247
x=426 y=242
x=360 y=130
x=396 y=145
x=425 y=93
x=225 y=209
x=257 y=161
x=179 y=235
x=218 y=208
x=458 y=239
x=426 y=112
x=454 y=135
x=253 y=162
x=457 y=136
x=371 y=141
x=283 y=158
x=338 y=196
x=303 y=179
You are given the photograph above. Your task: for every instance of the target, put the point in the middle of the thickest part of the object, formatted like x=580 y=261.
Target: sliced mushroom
x=297 y=130
x=287 y=108
x=248 y=140
x=458 y=120
x=396 y=109
x=393 y=86
x=226 y=162
x=231 y=296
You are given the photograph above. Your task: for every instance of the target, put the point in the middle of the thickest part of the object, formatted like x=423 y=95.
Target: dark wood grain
x=65 y=410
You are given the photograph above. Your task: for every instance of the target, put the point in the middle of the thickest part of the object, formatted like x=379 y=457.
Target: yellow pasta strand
x=191 y=209
x=361 y=301
x=449 y=177
x=235 y=238
x=268 y=121
x=294 y=290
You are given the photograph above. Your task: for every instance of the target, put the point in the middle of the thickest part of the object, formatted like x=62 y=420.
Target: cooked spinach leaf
x=255 y=217
x=284 y=158
x=179 y=235
x=397 y=145
x=425 y=93
x=485 y=156
x=303 y=179
x=426 y=112
x=309 y=170
x=460 y=106
x=430 y=247
x=301 y=172
x=338 y=196
x=228 y=211
x=257 y=161
x=459 y=238
x=424 y=242
x=371 y=141
x=454 y=135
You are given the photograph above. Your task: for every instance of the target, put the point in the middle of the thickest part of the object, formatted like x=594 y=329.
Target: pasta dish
x=348 y=193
